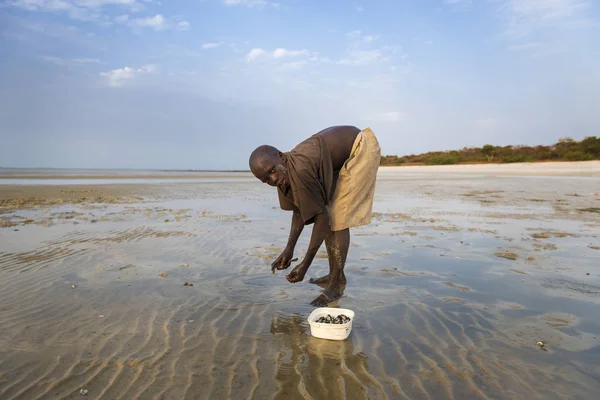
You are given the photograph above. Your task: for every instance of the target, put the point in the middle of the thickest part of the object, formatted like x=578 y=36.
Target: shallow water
x=124 y=181
x=438 y=315
x=99 y=172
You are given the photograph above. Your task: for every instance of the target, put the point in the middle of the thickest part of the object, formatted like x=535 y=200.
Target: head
x=267 y=164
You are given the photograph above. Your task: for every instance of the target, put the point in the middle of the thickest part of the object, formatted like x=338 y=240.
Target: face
x=273 y=172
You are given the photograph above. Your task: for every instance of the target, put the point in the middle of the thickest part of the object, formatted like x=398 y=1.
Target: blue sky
x=200 y=84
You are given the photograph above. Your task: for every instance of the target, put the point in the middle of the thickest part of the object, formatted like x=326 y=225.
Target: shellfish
x=329 y=319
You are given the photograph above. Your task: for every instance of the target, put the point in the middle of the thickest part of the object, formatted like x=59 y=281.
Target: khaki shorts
x=352 y=201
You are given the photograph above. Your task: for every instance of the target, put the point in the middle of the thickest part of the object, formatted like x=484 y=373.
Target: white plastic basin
x=330 y=331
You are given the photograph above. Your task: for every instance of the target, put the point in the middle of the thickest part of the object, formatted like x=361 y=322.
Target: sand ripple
x=241 y=332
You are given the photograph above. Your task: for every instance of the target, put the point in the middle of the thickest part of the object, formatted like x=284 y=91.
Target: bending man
x=328 y=180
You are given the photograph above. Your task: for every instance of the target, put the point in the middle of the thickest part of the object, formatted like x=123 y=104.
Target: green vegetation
x=442 y=159
x=566 y=149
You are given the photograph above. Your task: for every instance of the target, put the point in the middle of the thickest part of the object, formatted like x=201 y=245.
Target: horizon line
x=133 y=169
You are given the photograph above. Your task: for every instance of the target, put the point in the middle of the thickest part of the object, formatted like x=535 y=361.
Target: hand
x=283 y=261
x=297 y=274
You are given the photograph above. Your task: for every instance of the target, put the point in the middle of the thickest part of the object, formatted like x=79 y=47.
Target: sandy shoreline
x=453 y=283
x=580 y=168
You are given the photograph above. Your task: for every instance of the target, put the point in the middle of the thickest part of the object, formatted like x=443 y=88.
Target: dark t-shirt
x=311 y=179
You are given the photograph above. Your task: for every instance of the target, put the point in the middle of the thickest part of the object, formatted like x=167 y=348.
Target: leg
x=337 y=250
x=324 y=280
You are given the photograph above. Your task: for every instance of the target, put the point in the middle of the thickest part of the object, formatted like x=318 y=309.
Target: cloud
x=522 y=17
x=118 y=77
x=157 y=23
x=83 y=10
x=211 y=45
x=397 y=93
x=182 y=26
x=57 y=6
x=92 y=10
x=362 y=52
x=251 y=3
x=63 y=4
x=277 y=53
x=254 y=54
x=281 y=52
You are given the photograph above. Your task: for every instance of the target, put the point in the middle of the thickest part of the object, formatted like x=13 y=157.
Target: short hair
x=260 y=153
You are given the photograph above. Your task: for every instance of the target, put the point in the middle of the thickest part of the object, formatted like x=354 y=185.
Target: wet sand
x=562 y=168
x=453 y=284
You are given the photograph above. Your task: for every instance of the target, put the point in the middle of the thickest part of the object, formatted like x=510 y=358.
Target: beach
x=563 y=168
x=157 y=285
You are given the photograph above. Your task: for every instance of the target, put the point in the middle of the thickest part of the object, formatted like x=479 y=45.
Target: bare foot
x=297 y=274
x=325 y=298
x=320 y=281
x=325 y=280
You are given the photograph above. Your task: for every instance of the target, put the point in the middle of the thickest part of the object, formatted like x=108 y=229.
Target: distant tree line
x=566 y=149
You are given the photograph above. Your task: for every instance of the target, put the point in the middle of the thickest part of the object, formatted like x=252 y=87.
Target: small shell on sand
x=163 y=274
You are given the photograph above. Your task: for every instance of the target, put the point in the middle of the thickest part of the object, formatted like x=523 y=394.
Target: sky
x=199 y=84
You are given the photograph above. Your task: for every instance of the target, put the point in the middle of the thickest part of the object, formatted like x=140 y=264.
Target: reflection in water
x=293 y=324
x=317 y=368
